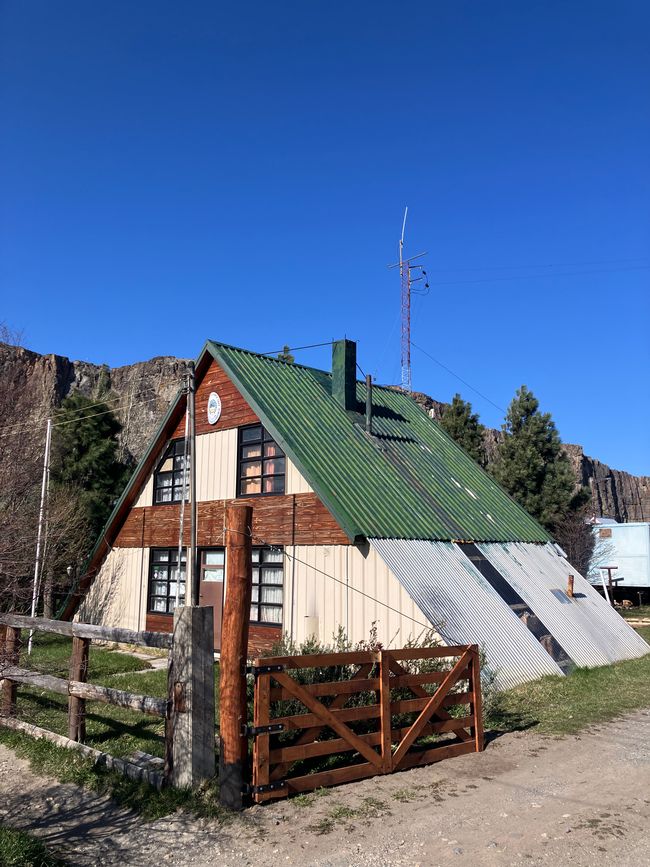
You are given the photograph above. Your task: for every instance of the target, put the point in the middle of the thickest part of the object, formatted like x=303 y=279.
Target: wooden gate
x=345 y=716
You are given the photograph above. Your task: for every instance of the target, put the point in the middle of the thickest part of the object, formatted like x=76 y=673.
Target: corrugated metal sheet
x=451 y=592
x=589 y=629
x=409 y=481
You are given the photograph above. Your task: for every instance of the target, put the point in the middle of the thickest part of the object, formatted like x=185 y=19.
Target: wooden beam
x=142 y=703
x=123 y=766
x=112 y=634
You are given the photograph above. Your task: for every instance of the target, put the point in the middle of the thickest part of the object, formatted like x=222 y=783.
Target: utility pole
x=406 y=270
x=192 y=573
x=45 y=484
x=233 y=754
x=186 y=387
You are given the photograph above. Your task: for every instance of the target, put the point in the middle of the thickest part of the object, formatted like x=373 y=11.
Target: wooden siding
x=234 y=409
x=299 y=519
x=260 y=638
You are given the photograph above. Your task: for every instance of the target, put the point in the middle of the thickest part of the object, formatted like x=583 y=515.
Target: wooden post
x=477 y=698
x=190 y=730
x=77 y=706
x=569 y=589
x=233 y=756
x=10 y=656
x=385 y=715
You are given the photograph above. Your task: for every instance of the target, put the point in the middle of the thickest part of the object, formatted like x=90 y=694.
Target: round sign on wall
x=214 y=408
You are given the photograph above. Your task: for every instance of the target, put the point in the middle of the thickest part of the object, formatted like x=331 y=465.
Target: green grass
x=565 y=705
x=552 y=705
x=18 y=849
x=634 y=613
x=112 y=729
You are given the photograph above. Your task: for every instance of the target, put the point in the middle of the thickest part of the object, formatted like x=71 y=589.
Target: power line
x=459 y=378
x=539 y=276
x=21 y=427
x=530 y=267
x=296 y=348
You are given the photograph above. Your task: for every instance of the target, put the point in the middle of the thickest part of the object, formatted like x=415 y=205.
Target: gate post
x=233 y=709
x=191 y=688
x=384 y=711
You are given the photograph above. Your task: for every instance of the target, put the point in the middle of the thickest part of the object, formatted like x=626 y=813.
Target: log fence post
x=77 y=706
x=233 y=707
x=10 y=656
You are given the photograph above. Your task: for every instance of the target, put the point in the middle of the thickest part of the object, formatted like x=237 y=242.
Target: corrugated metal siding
x=453 y=594
x=382 y=600
x=589 y=629
x=118 y=596
x=409 y=481
x=216 y=465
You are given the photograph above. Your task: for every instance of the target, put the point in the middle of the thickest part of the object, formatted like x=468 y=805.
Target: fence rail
x=393 y=721
x=188 y=759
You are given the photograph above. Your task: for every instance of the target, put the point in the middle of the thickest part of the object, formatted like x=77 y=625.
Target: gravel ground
x=527 y=800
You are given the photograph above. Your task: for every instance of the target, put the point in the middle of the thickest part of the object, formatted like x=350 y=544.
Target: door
x=212 y=568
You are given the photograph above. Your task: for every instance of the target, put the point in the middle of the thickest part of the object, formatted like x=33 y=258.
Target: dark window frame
x=264 y=439
x=168 y=566
x=174 y=450
x=265 y=565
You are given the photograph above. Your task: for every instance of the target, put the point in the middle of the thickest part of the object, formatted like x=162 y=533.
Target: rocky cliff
x=140 y=394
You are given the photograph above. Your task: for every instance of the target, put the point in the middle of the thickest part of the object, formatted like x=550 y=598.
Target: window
x=261 y=463
x=212 y=564
x=168 y=480
x=266 y=601
x=163 y=576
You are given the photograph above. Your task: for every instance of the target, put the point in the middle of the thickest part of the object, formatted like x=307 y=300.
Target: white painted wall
x=295 y=483
x=216 y=471
x=310 y=591
x=118 y=595
x=216 y=465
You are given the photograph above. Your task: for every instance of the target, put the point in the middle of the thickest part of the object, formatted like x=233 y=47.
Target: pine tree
x=464 y=427
x=84 y=458
x=531 y=465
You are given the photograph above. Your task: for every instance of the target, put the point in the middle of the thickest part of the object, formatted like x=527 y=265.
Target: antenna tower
x=406 y=272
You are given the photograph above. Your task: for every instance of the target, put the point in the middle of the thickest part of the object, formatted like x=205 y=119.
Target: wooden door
x=211 y=564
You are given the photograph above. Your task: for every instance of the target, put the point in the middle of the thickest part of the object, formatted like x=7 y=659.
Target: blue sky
x=171 y=172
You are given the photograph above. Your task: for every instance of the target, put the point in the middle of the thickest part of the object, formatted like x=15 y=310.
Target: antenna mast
x=406 y=281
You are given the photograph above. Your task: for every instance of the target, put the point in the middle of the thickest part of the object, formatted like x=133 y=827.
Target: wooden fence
x=393 y=698
x=188 y=709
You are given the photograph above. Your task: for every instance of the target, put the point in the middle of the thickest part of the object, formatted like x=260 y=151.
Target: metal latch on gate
x=247 y=789
x=263 y=669
x=254 y=731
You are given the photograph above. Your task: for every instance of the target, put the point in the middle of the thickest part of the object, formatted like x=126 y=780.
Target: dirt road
x=527 y=800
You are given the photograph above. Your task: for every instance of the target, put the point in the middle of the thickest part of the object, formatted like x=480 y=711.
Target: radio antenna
x=406 y=270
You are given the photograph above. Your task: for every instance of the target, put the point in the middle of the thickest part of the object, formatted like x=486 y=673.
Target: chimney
x=344 y=373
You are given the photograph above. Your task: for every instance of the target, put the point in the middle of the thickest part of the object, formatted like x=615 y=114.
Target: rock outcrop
x=140 y=395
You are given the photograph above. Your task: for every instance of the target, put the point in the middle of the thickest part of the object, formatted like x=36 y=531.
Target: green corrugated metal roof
x=407 y=481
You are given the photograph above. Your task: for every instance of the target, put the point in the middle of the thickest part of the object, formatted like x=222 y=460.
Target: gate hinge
x=247 y=789
x=263 y=669
x=254 y=731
